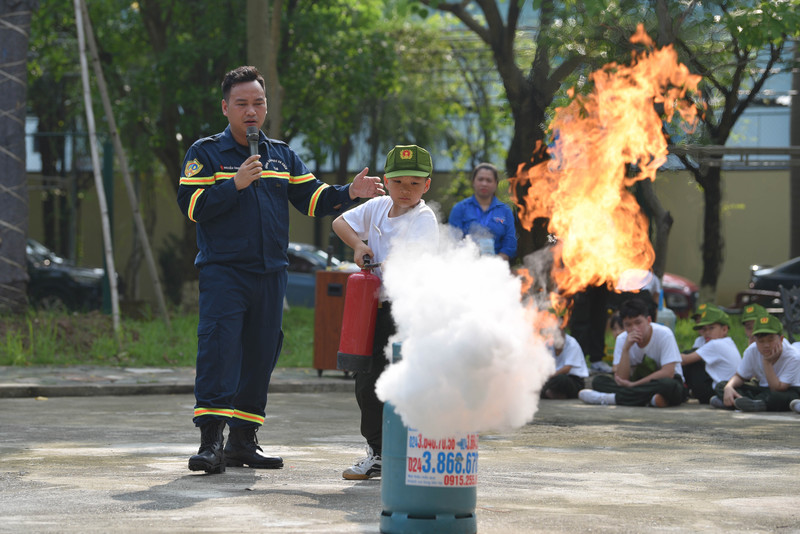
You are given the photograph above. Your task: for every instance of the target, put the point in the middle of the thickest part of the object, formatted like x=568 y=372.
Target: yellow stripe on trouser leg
x=222 y=412
x=253 y=418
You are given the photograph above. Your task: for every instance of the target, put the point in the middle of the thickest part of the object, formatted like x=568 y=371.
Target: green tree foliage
x=737 y=47
x=346 y=67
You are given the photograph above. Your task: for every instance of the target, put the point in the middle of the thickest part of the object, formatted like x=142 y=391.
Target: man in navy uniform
x=240 y=204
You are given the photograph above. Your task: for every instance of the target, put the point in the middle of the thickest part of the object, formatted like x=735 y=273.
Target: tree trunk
x=662 y=220
x=710 y=178
x=15 y=23
x=263 y=44
x=794 y=140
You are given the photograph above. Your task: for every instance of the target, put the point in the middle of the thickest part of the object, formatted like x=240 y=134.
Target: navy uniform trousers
x=239 y=338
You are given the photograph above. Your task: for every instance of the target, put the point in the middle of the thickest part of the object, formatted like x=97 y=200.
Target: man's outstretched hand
x=364 y=186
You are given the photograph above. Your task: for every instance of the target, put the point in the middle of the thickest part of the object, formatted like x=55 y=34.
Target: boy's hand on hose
x=360 y=251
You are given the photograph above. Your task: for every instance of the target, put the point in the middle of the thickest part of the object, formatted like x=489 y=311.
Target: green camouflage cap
x=753 y=311
x=700 y=308
x=408 y=160
x=712 y=315
x=767 y=324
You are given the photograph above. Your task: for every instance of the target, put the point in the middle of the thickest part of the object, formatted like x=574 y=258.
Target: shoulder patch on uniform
x=192 y=168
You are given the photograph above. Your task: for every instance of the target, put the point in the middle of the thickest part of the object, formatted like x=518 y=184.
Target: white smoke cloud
x=471 y=361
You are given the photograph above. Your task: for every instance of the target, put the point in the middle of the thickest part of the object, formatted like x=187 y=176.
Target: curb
x=9 y=391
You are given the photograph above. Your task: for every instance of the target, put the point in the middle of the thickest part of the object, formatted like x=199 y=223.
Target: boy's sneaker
x=750 y=405
x=600 y=367
x=590 y=396
x=369 y=467
x=716 y=402
x=795 y=405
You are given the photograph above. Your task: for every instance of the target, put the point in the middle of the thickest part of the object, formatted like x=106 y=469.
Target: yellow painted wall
x=755 y=219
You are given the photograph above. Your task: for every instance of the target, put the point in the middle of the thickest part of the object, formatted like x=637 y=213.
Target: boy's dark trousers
x=672 y=389
x=566 y=385
x=369 y=404
x=698 y=381
x=776 y=401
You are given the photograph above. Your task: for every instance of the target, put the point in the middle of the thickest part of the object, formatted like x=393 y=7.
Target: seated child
x=698 y=311
x=647 y=364
x=715 y=360
x=750 y=313
x=571 y=369
x=776 y=366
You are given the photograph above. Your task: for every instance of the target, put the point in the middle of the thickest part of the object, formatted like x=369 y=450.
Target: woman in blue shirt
x=483 y=217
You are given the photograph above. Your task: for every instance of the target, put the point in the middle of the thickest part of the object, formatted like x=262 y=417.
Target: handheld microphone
x=252 y=140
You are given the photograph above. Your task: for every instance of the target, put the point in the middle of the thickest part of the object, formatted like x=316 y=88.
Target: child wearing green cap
x=715 y=360
x=750 y=313
x=776 y=366
x=386 y=222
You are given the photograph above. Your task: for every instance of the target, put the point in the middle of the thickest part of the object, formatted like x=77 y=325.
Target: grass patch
x=88 y=339
x=39 y=338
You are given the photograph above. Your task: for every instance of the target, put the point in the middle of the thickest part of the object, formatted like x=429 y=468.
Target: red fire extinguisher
x=358 y=320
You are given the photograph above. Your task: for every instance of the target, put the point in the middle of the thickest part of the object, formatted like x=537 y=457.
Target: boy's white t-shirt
x=662 y=349
x=372 y=223
x=721 y=357
x=699 y=341
x=787 y=368
x=572 y=355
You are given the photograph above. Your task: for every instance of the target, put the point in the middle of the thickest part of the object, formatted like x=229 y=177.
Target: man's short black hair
x=633 y=308
x=241 y=75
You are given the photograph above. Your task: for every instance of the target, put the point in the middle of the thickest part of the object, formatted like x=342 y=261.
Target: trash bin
x=329 y=294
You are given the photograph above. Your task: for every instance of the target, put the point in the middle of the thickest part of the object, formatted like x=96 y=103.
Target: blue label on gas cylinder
x=450 y=461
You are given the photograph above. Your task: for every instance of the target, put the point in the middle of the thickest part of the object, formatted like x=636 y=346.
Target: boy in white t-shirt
x=647 y=364
x=713 y=361
x=400 y=218
x=773 y=362
x=571 y=370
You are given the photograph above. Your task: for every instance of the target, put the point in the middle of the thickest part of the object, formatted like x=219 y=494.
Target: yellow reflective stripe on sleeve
x=314 y=198
x=198 y=180
x=223 y=412
x=223 y=176
x=193 y=203
x=302 y=179
x=253 y=418
x=268 y=173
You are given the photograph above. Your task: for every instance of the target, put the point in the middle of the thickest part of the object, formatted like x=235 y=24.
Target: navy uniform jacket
x=249 y=229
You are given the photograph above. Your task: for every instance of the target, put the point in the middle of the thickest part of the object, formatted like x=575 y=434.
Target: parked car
x=680 y=294
x=304 y=262
x=57 y=284
x=765 y=282
x=766 y=278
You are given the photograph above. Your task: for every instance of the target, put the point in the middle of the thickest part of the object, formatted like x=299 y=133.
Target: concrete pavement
x=106 y=463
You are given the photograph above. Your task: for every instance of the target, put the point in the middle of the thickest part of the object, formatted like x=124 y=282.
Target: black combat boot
x=242 y=449
x=210 y=458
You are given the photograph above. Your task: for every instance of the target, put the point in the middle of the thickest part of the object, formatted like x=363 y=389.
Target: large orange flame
x=597 y=140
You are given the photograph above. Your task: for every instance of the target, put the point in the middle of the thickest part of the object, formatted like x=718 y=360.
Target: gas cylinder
x=358 y=320
x=428 y=486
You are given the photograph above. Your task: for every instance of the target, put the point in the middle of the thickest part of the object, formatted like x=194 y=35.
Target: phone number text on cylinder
x=448 y=463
